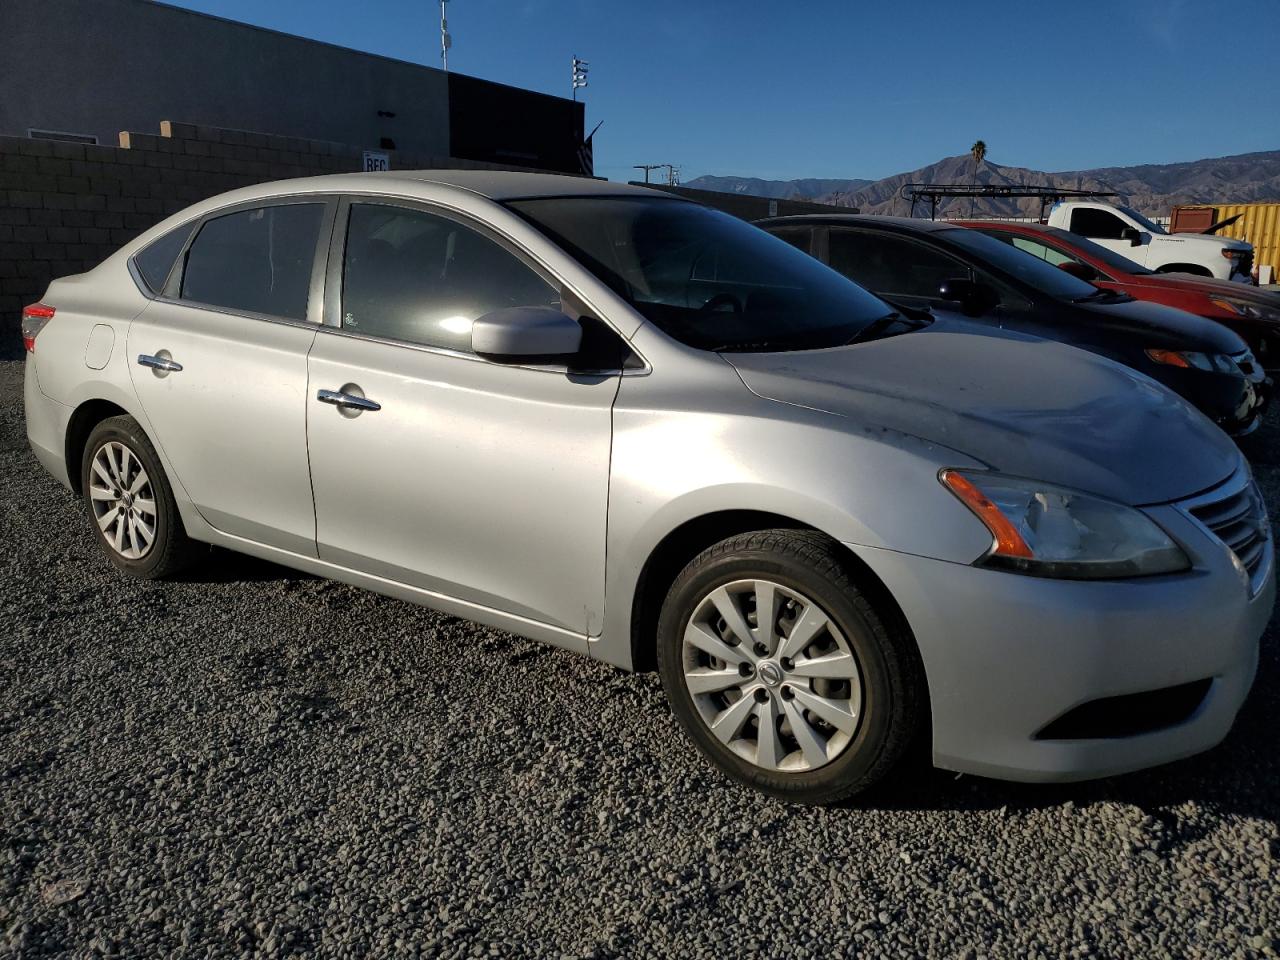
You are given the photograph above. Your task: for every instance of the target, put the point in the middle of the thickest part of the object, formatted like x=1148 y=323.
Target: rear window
x=156 y=261
x=256 y=261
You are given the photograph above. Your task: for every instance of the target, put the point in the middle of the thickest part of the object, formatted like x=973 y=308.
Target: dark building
x=116 y=113
x=86 y=70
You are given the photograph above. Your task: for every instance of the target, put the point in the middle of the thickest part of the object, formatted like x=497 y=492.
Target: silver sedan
x=625 y=424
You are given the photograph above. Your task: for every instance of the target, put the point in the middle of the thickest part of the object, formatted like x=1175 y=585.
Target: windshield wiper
x=749 y=346
x=1103 y=295
x=875 y=328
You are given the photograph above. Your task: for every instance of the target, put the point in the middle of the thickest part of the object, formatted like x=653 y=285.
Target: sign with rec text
x=374 y=161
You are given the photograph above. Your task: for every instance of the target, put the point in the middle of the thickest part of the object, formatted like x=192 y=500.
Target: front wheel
x=784 y=672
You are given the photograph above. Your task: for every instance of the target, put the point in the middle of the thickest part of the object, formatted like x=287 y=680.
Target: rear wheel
x=783 y=671
x=130 y=502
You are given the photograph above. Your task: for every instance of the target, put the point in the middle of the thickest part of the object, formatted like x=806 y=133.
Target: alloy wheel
x=772 y=676
x=124 y=503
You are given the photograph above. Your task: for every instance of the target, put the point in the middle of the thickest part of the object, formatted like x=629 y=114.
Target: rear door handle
x=349 y=400
x=159 y=363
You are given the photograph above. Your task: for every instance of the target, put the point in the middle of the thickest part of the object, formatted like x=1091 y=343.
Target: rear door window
x=799 y=237
x=1036 y=249
x=256 y=261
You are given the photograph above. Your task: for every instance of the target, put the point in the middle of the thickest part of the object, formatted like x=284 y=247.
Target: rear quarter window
x=155 y=261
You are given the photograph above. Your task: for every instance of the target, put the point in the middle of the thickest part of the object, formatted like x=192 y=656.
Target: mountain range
x=1151 y=188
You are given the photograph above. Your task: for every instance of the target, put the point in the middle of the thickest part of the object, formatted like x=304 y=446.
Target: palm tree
x=979 y=153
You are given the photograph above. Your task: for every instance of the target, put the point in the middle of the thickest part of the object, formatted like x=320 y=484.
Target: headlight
x=1217 y=362
x=1247 y=308
x=1049 y=531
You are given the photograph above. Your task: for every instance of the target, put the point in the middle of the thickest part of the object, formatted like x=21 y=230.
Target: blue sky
x=853 y=89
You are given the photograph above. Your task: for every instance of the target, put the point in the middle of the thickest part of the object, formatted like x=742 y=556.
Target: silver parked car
x=628 y=425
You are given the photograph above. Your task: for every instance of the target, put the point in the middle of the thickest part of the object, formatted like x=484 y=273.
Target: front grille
x=1238 y=519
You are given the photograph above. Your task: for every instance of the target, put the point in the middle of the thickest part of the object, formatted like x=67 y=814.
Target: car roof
x=510 y=185
x=495 y=185
x=1011 y=225
x=863 y=219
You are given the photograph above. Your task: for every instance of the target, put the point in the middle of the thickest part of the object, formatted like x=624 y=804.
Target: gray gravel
x=253 y=762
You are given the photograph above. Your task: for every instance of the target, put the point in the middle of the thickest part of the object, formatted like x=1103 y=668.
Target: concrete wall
x=101 y=66
x=64 y=207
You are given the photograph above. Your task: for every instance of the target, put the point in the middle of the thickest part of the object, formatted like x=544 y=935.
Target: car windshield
x=1150 y=225
x=707 y=279
x=1026 y=267
x=1112 y=259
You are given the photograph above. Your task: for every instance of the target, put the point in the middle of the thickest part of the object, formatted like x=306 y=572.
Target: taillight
x=34 y=318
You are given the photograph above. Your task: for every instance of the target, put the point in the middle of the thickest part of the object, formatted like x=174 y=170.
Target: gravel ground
x=254 y=762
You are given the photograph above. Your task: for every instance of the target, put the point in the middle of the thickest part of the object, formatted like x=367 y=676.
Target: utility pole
x=673 y=175
x=446 y=41
x=646 y=167
x=579 y=75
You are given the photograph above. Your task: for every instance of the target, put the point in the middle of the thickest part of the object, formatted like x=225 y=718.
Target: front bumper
x=1236 y=402
x=1247 y=417
x=1005 y=655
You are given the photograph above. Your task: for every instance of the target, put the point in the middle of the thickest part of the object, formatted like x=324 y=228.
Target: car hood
x=1209 y=286
x=1030 y=408
x=1202 y=240
x=1167 y=326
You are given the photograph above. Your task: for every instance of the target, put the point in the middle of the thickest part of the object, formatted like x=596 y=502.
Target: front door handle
x=348 y=400
x=159 y=363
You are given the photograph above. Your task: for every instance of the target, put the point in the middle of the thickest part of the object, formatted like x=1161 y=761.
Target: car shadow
x=1262 y=447
x=227 y=566
x=1237 y=777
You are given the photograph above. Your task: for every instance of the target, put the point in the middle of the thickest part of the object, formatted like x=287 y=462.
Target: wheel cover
x=772 y=676
x=124 y=504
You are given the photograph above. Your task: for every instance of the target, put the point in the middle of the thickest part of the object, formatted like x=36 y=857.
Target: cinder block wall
x=64 y=207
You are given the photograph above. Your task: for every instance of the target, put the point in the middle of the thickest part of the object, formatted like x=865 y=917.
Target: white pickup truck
x=1132 y=235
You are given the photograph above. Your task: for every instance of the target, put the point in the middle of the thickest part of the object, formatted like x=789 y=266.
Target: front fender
x=868 y=487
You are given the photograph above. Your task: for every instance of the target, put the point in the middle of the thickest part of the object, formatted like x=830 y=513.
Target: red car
x=1249 y=311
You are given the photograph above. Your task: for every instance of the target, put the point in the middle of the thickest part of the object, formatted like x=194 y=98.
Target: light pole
x=446 y=41
x=579 y=75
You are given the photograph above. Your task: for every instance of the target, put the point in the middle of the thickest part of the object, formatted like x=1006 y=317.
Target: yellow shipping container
x=1259 y=225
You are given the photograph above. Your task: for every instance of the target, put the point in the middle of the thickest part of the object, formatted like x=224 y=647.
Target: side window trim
x=315 y=298
x=335 y=250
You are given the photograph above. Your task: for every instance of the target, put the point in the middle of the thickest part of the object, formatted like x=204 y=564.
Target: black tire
x=893 y=700
x=171 y=550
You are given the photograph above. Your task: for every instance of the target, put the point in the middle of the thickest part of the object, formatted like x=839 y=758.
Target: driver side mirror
x=1133 y=235
x=974 y=298
x=526 y=334
x=1079 y=270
